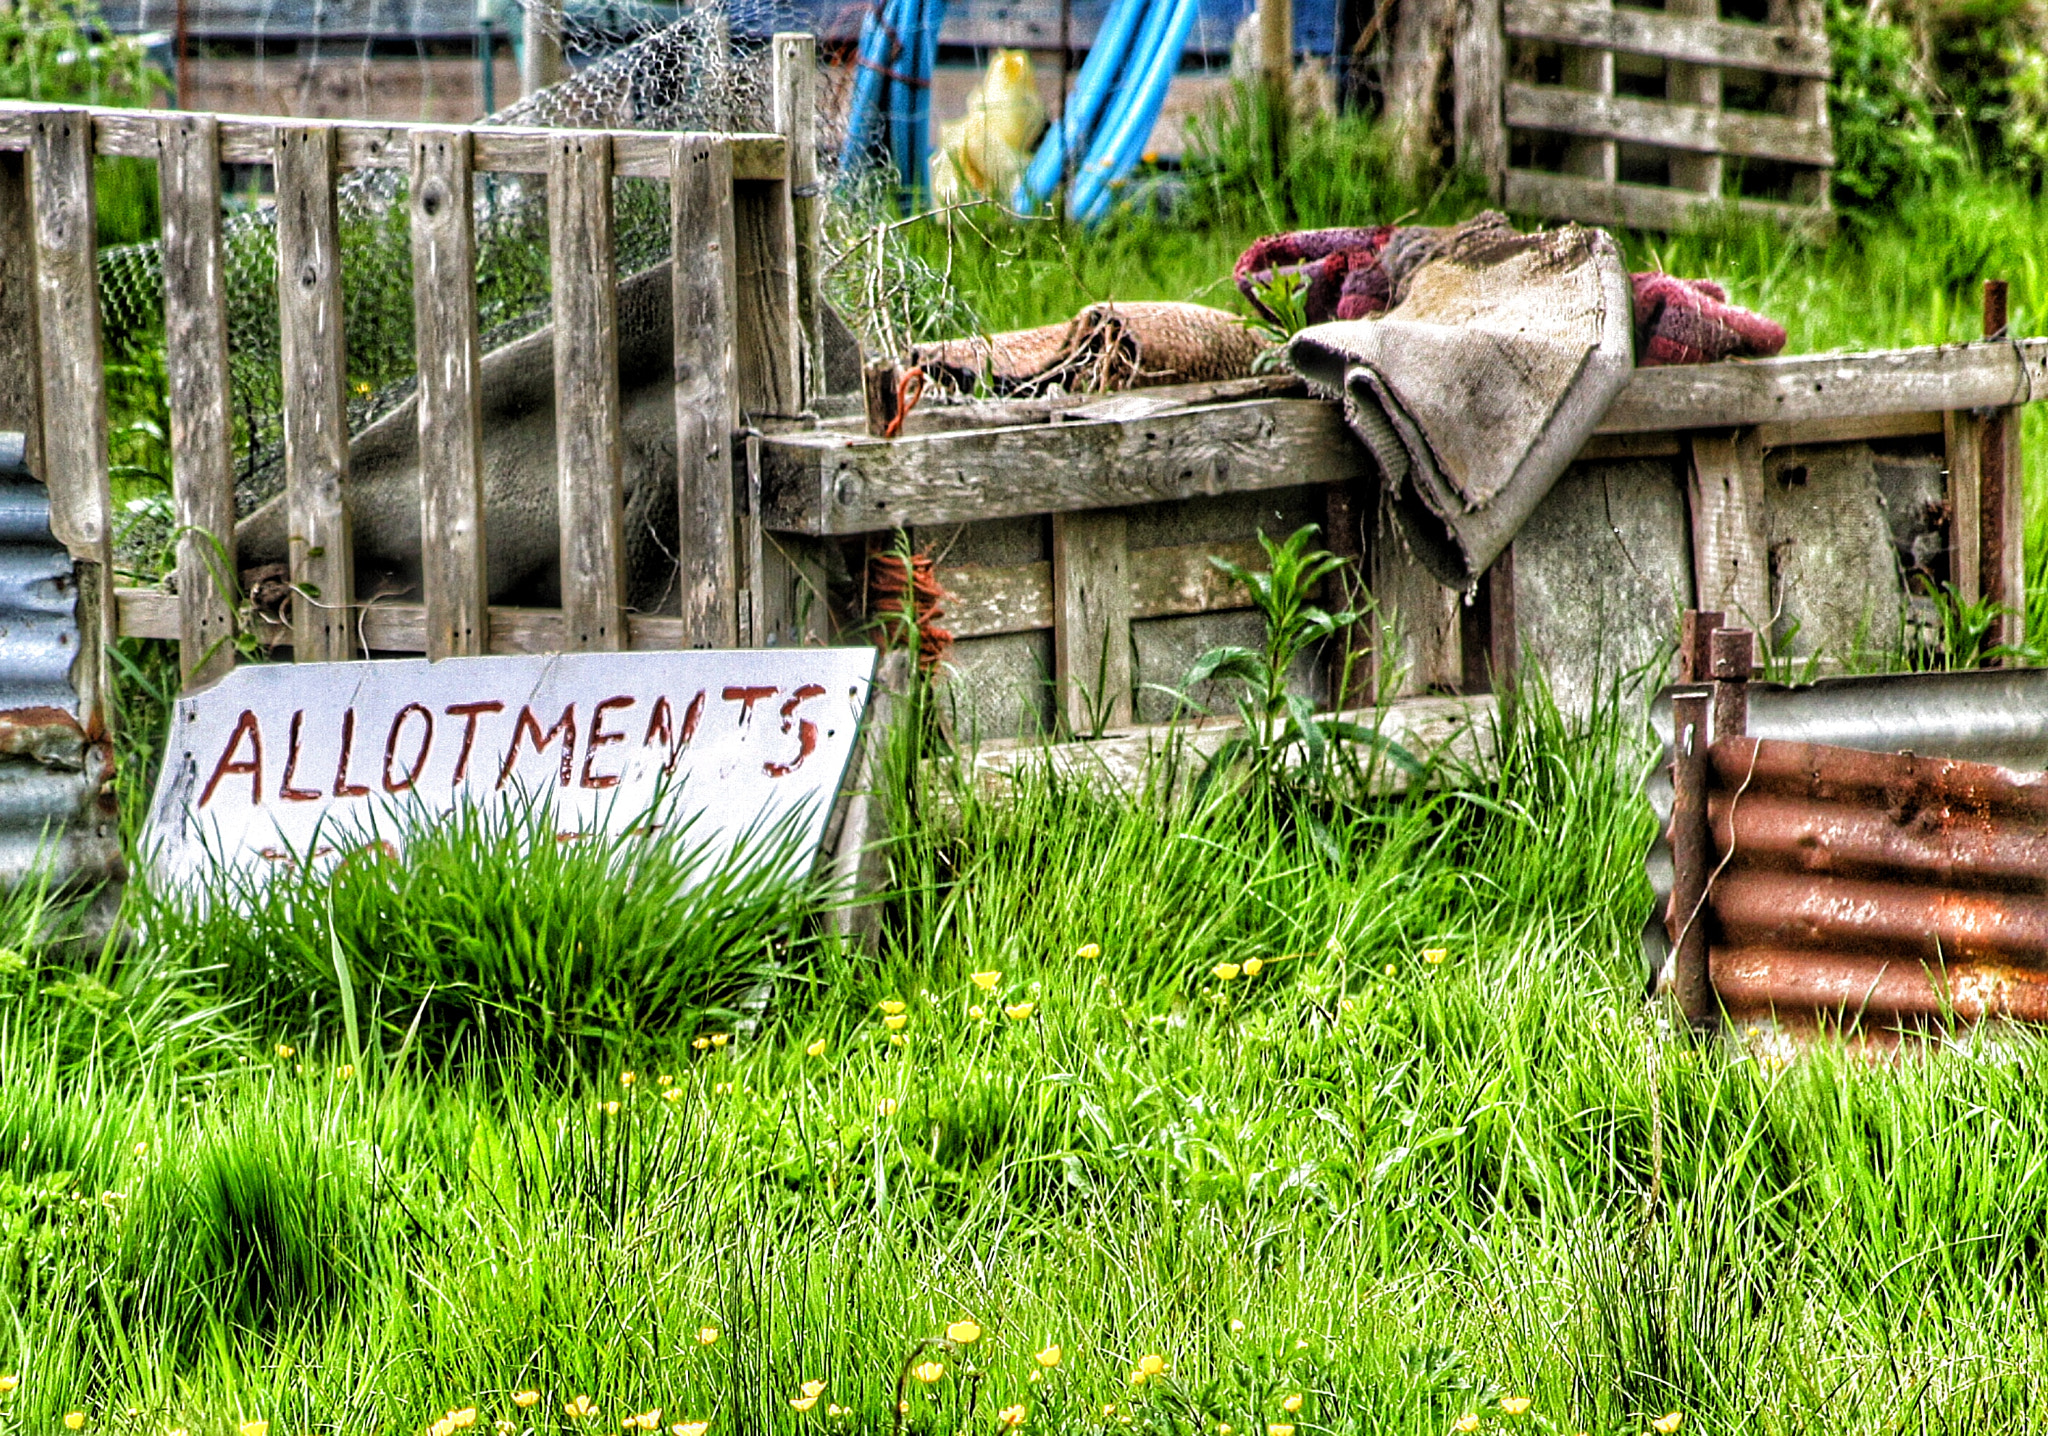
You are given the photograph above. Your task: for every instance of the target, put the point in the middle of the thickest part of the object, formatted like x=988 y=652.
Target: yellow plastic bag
x=986 y=150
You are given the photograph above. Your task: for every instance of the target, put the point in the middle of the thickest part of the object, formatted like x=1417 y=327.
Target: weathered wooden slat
x=770 y=330
x=315 y=396
x=452 y=568
x=1091 y=600
x=707 y=412
x=1591 y=157
x=196 y=357
x=990 y=599
x=1849 y=429
x=832 y=484
x=588 y=457
x=1779 y=50
x=1809 y=388
x=1478 y=64
x=1669 y=126
x=794 y=98
x=1688 y=83
x=368 y=145
x=402 y=627
x=1963 y=442
x=1730 y=554
x=1562 y=196
x=1419 y=647
x=21 y=360
x=68 y=330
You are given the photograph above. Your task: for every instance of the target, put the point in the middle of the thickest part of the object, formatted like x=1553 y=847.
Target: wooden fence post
x=452 y=567
x=1731 y=558
x=196 y=356
x=1091 y=601
x=21 y=360
x=588 y=460
x=1478 y=66
x=315 y=395
x=707 y=413
x=770 y=337
x=1962 y=435
x=2002 y=527
x=796 y=120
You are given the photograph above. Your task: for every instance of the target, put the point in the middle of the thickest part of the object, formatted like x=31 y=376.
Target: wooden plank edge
x=402 y=627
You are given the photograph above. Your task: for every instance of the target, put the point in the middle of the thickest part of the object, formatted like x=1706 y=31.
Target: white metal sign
x=283 y=764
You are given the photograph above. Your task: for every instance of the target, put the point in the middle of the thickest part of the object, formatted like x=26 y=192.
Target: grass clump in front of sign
x=494 y=933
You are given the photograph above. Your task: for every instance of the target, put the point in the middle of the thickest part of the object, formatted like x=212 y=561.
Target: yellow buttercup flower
x=1253 y=966
x=254 y=1428
x=892 y=1006
x=896 y=1023
x=963 y=1332
x=975 y=1012
x=816 y=1049
x=1048 y=1358
x=886 y=1107
x=803 y=1403
x=462 y=1419
x=1279 y=1428
x=674 y=1094
x=1291 y=1403
x=74 y=1420
x=702 y=1044
x=8 y=1383
x=1514 y=1405
x=897 y=1039
x=1137 y=1377
x=1468 y=1422
x=706 y=1335
x=443 y=1427
x=1011 y=1416
x=689 y=1428
x=835 y=1410
x=1668 y=1422
x=721 y=1089
x=504 y=1427
x=1224 y=971
x=986 y=981
x=581 y=1409
x=1434 y=956
x=611 y=1109
x=928 y=1371
x=664 y=1081
x=1151 y=1364
x=813 y=1388
x=719 y=1039
x=285 y=1052
x=1236 y=1326
x=1018 y=1011
x=1089 y=950
x=524 y=1399
x=648 y=1420
x=627 y=1079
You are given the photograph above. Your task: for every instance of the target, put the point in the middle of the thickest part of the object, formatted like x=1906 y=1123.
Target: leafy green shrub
x=1883 y=121
x=494 y=933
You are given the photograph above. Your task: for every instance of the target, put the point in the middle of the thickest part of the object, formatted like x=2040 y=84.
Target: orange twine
x=909 y=389
x=889 y=585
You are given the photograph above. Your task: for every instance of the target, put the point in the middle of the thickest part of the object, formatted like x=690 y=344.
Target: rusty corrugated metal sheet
x=1832 y=883
x=57 y=808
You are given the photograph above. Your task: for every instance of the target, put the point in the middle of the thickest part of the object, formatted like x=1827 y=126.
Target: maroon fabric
x=1357 y=272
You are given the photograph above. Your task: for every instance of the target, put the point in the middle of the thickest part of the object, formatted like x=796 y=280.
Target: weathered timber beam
x=244 y=139
x=1776 y=49
x=1669 y=126
x=835 y=484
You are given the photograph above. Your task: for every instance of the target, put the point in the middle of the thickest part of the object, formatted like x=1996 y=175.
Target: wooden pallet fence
x=744 y=251
x=1654 y=118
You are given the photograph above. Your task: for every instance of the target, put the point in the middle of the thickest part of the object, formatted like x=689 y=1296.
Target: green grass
x=1419 y=1185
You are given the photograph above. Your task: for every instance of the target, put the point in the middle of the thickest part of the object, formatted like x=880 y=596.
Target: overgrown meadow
x=1248 y=1113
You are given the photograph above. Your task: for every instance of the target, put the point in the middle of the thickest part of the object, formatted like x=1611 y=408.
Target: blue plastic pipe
x=1069 y=136
x=916 y=156
x=865 y=113
x=1122 y=141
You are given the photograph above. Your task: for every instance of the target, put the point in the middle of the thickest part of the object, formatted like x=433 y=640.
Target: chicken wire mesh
x=706 y=68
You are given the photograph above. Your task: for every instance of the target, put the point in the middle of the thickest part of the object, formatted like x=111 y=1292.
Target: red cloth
x=1354 y=273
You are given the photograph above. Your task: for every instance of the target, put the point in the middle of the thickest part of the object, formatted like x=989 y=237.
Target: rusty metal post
x=1734 y=661
x=2000 y=529
x=1695 y=635
x=1692 y=855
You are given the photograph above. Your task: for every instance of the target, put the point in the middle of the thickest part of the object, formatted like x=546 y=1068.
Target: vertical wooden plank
x=1478 y=68
x=1963 y=439
x=769 y=324
x=74 y=460
x=541 y=62
x=2002 y=568
x=21 y=360
x=1730 y=553
x=1348 y=662
x=1091 y=604
x=795 y=97
x=196 y=357
x=452 y=567
x=707 y=413
x=1695 y=85
x=588 y=459
x=1592 y=71
x=1420 y=644
x=315 y=396
x=1503 y=638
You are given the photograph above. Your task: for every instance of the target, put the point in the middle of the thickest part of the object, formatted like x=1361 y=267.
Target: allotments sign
x=287 y=764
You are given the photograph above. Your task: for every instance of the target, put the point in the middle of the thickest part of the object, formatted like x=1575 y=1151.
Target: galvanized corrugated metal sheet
x=1881 y=882
x=57 y=810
